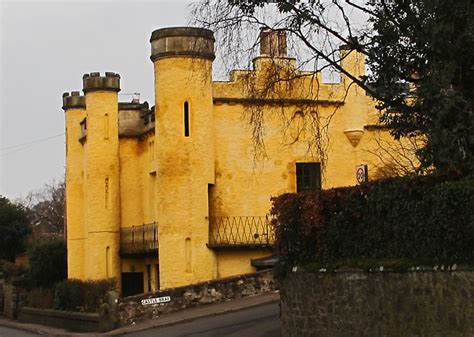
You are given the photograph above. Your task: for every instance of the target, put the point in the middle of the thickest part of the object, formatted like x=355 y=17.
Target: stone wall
x=9 y=301
x=73 y=321
x=131 y=309
x=422 y=303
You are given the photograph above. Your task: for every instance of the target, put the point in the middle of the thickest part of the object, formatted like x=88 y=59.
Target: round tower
x=74 y=106
x=101 y=176
x=184 y=148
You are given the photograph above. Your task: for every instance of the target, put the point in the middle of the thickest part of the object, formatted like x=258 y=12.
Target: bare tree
x=419 y=53
x=46 y=209
x=238 y=27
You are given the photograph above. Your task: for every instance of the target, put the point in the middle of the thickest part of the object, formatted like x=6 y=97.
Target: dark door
x=132 y=284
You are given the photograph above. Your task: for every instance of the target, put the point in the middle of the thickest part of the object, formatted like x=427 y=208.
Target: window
x=83 y=136
x=106 y=126
x=186 y=119
x=308 y=177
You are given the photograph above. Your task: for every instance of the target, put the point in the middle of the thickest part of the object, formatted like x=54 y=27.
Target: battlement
x=135 y=119
x=95 y=82
x=74 y=100
x=182 y=42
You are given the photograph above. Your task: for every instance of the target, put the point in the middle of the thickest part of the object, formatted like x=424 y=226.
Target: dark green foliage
x=14 y=229
x=428 y=44
x=48 y=263
x=86 y=296
x=428 y=217
x=13 y=273
x=39 y=298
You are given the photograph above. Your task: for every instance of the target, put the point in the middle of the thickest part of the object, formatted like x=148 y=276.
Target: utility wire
x=19 y=147
x=32 y=142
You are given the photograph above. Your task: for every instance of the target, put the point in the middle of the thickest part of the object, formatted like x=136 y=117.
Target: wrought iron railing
x=138 y=240
x=240 y=231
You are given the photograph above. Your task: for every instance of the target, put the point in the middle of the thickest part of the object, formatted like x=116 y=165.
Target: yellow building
x=178 y=193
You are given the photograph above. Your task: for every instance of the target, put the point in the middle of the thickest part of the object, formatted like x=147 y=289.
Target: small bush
x=428 y=217
x=85 y=296
x=13 y=273
x=39 y=298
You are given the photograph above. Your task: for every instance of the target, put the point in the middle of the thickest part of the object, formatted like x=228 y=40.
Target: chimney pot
x=273 y=42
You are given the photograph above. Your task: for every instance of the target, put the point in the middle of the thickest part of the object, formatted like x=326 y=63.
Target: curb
x=38 y=329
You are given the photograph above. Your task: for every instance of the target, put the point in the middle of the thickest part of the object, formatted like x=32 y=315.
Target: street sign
x=362 y=174
x=156 y=300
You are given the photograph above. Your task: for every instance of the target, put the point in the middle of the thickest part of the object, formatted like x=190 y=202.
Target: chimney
x=272 y=42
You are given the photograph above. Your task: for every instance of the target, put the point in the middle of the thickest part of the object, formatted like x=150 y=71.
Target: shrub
x=48 y=263
x=77 y=295
x=39 y=298
x=428 y=217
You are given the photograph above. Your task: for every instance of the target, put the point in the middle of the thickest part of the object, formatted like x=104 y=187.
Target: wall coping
x=82 y=316
x=381 y=269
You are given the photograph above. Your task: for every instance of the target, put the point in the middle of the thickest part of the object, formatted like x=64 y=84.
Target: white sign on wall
x=362 y=173
x=156 y=300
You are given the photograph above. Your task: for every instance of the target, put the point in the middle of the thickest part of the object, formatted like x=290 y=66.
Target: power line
x=19 y=147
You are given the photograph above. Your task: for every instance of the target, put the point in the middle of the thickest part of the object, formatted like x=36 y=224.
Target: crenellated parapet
x=135 y=119
x=95 y=82
x=182 y=42
x=73 y=100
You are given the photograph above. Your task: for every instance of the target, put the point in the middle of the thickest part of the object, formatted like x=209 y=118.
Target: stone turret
x=74 y=106
x=95 y=82
x=102 y=176
x=184 y=125
x=73 y=101
x=187 y=42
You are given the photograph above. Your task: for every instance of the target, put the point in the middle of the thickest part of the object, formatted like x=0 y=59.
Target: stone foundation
x=131 y=309
x=422 y=303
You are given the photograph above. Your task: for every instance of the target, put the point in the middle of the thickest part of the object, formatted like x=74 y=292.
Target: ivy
x=428 y=218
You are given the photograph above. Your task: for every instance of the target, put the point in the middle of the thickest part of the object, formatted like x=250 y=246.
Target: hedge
x=48 y=263
x=84 y=296
x=429 y=218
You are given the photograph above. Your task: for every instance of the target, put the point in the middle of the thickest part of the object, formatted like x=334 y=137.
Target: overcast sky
x=46 y=47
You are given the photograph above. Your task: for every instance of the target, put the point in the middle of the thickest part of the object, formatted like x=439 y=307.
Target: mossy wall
x=424 y=303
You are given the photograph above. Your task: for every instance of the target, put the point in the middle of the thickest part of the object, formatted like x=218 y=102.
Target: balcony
x=240 y=232
x=139 y=240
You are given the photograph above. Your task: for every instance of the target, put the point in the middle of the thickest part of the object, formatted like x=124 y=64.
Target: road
x=9 y=332
x=261 y=321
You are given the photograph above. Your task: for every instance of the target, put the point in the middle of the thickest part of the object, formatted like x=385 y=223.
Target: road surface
x=262 y=321
x=10 y=332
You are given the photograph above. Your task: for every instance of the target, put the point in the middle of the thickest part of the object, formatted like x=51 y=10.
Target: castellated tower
x=74 y=107
x=101 y=176
x=182 y=60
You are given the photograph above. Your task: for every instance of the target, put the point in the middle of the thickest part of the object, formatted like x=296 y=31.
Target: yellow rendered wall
x=244 y=185
x=234 y=262
x=185 y=167
x=132 y=199
x=138 y=181
x=102 y=186
x=74 y=194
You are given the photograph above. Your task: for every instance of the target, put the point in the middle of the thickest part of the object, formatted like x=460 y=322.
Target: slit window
x=308 y=177
x=186 y=119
